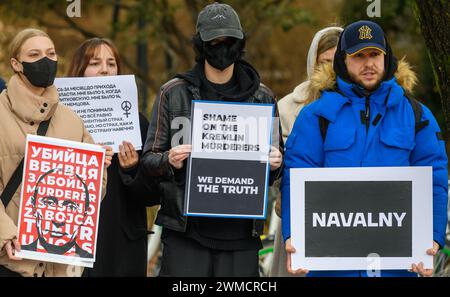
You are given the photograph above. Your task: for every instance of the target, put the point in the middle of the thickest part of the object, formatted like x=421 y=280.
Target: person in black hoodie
x=122 y=230
x=198 y=246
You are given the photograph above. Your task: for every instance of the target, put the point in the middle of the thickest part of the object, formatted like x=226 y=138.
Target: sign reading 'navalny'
x=343 y=217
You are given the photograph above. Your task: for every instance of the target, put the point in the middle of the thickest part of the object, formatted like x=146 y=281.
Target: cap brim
x=213 y=34
x=356 y=49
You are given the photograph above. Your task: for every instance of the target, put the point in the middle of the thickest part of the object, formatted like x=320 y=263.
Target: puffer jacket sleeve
x=304 y=149
x=430 y=151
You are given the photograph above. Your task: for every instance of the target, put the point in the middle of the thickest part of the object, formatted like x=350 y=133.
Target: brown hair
x=86 y=51
x=16 y=44
x=328 y=41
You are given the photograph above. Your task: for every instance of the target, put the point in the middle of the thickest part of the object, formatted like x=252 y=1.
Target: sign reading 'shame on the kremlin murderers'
x=60 y=201
x=361 y=218
x=108 y=106
x=229 y=165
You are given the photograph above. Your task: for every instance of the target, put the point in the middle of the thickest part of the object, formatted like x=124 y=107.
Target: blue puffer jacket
x=391 y=142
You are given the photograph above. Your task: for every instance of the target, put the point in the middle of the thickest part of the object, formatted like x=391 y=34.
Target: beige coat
x=20 y=114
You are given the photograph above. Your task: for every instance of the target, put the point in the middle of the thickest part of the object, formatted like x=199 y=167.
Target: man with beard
x=197 y=246
x=365 y=119
x=51 y=216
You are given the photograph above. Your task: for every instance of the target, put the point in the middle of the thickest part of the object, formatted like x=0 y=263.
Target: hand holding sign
x=127 y=155
x=275 y=158
x=178 y=154
x=291 y=250
x=11 y=247
x=108 y=156
x=418 y=268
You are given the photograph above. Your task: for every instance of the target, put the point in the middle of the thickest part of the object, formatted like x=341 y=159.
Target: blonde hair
x=16 y=44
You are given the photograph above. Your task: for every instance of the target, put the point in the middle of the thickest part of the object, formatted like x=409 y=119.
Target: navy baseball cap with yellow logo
x=363 y=35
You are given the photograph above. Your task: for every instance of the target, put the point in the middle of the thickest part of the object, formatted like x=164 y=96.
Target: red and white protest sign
x=60 y=200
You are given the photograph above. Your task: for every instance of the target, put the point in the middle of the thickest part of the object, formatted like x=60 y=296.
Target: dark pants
x=5 y=272
x=185 y=257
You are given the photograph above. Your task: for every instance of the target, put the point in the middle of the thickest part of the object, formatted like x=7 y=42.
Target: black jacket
x=174 y=100
x=122 y=230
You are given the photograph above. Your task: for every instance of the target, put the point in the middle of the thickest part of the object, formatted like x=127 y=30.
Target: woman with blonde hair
x=321 y=51
x=28 y=105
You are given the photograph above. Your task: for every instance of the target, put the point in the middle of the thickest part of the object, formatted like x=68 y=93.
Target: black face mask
x=41 y=73
x=222 y=55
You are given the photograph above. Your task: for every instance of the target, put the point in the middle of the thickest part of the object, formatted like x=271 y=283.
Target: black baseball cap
x=362 y=35
x=218 y=20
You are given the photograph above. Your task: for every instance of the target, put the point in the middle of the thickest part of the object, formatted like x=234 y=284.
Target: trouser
x=185 y=257
x=5 y=272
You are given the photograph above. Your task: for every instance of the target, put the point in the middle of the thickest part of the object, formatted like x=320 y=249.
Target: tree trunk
x=115 y=20
x=142 y=63
x=434 y=20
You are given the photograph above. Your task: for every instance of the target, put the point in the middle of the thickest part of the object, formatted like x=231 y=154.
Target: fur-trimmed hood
x=324 y=78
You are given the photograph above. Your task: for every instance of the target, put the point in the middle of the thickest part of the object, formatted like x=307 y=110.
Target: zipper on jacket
x=254 y=231
x=367 y=114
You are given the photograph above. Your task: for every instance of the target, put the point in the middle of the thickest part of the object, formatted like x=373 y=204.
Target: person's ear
x=16 y=65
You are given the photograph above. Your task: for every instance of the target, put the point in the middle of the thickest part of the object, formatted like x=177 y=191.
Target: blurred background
x=153 y=36
x=154 y=40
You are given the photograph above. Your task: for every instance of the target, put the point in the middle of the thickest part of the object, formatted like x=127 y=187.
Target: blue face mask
x=41 y=73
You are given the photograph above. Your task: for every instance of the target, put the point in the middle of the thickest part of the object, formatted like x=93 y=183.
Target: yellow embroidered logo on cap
x=365 y=32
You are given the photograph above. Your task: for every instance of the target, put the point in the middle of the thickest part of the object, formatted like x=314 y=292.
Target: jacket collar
x=324 y=81
x=29 y=107
x=390 y=93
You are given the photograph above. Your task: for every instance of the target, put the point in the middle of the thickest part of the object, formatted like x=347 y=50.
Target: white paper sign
x=371 y=218
x=60 y=201
x=108 y=106
x=228 y=170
